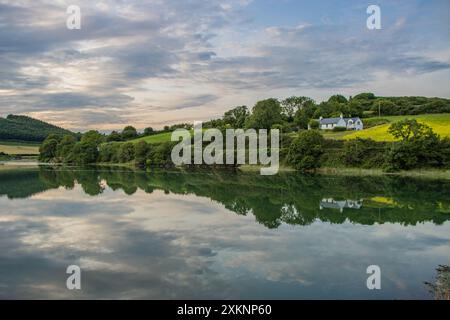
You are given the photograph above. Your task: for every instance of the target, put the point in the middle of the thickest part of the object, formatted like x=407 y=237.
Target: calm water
x=218 y=235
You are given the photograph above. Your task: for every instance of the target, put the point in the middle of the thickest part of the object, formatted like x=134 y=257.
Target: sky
x=157 y=62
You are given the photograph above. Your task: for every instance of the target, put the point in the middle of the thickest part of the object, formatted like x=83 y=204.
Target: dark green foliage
x=305 y=151
x=338 y=99
x=364 y=153
x=114 y=137
x=24 y=128
x=129 y=132
x=83 y=153
x=160 y=155
x=339 y=129
x=126 y=152
x=93 y=137
x=47 y=151
x=364 y=96
x=419 y=147
x=148 y=131
x=65 y=147
x=236 y=117
x=265 y=114
x=290 y=106
x=142 y=151
x=109 y=152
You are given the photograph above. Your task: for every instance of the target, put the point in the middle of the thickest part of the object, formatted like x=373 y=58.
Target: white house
x=340 y=205
x=349 y=123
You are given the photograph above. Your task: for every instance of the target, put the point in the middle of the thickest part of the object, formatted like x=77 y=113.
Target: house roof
x=329 y=120
x=336 y=120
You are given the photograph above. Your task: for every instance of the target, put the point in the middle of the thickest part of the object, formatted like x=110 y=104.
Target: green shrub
x=365 y=153
x=126 y=152
x=305 y=151
x=142 y=150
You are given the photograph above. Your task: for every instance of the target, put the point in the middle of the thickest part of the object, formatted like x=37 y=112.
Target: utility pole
x=379 y=109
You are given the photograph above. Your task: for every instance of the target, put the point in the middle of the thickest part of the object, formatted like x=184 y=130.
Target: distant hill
x=23 y=128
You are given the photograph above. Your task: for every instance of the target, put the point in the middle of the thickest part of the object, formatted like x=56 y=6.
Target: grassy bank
x=418 y=173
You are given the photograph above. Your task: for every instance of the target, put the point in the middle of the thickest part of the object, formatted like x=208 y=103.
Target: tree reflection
x=291 y=199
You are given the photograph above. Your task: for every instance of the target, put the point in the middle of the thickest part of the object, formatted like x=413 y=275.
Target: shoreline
x=416 y=173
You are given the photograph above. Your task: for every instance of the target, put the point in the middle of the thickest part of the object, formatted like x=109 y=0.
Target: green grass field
x=157 y=138
x=16 y=148
x=440 y=123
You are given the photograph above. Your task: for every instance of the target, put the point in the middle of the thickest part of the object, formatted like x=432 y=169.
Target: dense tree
x=265 y=114
x=108 y=152
x=65 y=146
x=114 y=136
x=129 y=132
x=93 y=137
x=161 y=154
x=126 y=152
x=142 y=150
x=83 y=153
x=364 y=153
x=419 y=147
x=236 y=117
x=290 y=106
x=148 y=131
x=305 y=151
x=47 y=151
x=338 y=98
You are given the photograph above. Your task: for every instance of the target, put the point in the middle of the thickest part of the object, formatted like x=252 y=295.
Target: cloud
x=205 y=56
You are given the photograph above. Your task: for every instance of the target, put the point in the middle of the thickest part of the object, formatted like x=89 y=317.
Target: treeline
x=296 y=113
x=94 y=147
x=23 y=128
x=130 y=132
x=417 y=147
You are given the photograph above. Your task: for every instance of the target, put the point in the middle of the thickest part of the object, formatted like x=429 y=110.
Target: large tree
x=236 y=117
x=129 y=132
x=265 y=114
x=291 y=105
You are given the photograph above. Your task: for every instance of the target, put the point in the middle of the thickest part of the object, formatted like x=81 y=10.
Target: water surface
x=164 y=235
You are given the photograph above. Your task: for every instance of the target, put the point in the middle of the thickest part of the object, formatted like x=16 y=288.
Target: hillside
x=440 y=123
x=23 y=128
x=156 y=138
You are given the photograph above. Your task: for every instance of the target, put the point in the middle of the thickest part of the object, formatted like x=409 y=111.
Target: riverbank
x=417 y=173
